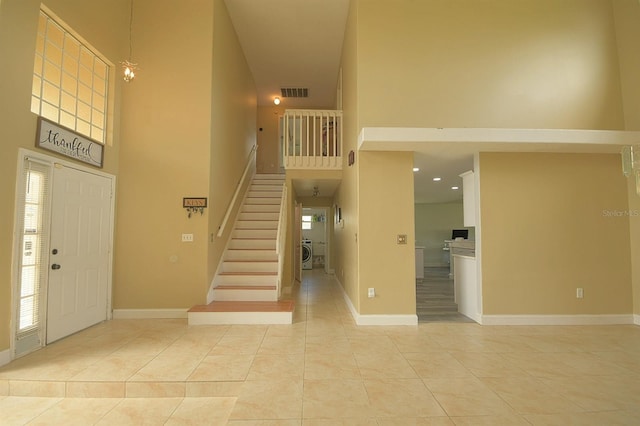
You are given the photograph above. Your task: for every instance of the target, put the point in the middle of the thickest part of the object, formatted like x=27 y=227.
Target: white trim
x=149 y=313
x=5 y=357
x=406 y=138
x=377 y=319
x=557 y=319
x=386 y=319
x=636 y=319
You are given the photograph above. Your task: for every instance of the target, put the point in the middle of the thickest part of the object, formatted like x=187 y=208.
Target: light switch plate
x=187 y=238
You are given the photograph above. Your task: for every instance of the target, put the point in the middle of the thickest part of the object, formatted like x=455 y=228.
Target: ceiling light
x=416 y=169
x=437 y=179
x=276 y=101
x=631 y=163
x=455 y=187
x=129 y=67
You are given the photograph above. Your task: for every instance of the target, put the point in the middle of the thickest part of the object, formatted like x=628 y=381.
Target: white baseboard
x=636 y=319
x=558 y=319
x=377 y=319
x=5 y=357
x=386 y=319
x=149 y=313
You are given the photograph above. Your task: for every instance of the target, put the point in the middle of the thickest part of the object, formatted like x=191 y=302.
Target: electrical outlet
x=371 y=292
x=187 y=238
x=579 y=293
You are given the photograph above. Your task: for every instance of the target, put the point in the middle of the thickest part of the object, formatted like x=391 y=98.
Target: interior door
x=79 y=251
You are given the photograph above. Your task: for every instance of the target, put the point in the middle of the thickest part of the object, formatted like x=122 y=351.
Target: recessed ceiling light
x=455 y=187
x=437 y=179
x=416 y=169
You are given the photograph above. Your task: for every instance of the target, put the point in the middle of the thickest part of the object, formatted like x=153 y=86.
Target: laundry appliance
x=307 y=254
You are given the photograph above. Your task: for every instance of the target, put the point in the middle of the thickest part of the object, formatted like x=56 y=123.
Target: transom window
x=70 y=81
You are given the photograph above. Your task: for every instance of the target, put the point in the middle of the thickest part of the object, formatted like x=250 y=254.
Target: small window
x=307 y=221
x=70 y=81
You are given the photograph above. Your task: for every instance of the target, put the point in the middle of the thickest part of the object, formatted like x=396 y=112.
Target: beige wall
x=346 y=254
x=184 y=135
x=386 y=211
x=627 y=15
x=268 y=139
x=102 y=23
x=551 y=223
x=233 y=127
x=164 y=157
x=494 y=63
x=525 y=64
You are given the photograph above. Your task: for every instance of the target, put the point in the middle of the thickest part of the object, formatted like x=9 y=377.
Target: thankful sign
x=66 y=142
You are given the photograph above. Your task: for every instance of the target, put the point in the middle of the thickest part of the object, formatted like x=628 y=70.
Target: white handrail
x=235 y=195
x=281 y=236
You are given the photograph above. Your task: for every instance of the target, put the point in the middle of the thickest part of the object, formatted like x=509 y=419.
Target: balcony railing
x=312 y=139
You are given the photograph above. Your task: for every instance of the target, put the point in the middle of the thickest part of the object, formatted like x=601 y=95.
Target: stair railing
x=232 y=204
x=312 y=139
x=281 y=236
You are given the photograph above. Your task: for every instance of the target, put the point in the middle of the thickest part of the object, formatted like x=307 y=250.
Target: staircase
x=245 y=291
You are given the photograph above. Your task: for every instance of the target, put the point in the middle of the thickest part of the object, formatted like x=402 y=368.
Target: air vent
x=295 y=92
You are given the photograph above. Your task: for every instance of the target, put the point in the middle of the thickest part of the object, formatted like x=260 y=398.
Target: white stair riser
x=264 y=194
x=245 y=295
x=261 y=208
x=267 y=176
x=240 y=280
x=266 y=255
x=255 y=233
x=249 y=266
x=253 y=244
x=262 y=200
x=266 y=187
x=275 y=216
x=257 y=224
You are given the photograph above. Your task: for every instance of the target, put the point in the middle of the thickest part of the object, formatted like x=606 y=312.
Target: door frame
x=17 y=248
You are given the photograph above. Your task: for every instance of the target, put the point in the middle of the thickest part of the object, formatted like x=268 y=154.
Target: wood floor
x=435 y=300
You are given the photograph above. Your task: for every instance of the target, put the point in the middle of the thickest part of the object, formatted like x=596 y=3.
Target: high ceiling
x=292 y=44
x=298 y=44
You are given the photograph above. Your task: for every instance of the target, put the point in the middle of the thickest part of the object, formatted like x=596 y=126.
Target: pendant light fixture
x=631 y=163
x=129 y=68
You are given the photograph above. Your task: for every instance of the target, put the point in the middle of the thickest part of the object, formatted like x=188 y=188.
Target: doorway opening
x=315 y=242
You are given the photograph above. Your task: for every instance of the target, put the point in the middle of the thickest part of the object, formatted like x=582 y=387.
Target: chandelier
x=631 y=163
x=129 y=68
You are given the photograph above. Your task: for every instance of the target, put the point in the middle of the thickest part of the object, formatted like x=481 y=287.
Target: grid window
x=70 y=81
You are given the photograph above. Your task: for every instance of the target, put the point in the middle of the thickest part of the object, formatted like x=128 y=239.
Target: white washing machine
x=307 y=255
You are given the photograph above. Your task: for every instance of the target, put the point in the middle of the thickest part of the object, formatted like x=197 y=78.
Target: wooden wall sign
x=59 y=139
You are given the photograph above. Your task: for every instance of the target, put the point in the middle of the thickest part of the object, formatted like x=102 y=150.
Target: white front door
x=78 y=252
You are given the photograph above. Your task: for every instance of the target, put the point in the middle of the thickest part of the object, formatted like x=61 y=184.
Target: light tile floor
x=325 y=370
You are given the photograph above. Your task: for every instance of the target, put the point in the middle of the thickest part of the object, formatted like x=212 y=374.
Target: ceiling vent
x=295 y=92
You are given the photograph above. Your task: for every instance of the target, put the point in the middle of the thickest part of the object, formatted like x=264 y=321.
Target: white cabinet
x=469 y=198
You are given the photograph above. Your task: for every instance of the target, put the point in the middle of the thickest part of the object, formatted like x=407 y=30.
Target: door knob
x=55 y=266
